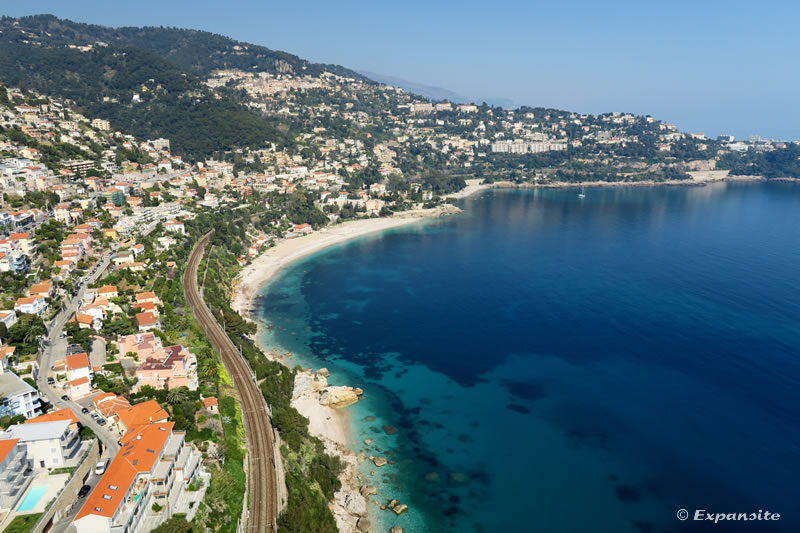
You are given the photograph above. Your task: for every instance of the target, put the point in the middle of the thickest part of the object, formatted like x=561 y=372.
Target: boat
x=582 y=194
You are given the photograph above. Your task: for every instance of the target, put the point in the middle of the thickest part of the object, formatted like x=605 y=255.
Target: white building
x=49 y=444
x=18 y=398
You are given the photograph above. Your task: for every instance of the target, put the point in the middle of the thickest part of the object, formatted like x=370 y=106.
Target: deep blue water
x=556 y=364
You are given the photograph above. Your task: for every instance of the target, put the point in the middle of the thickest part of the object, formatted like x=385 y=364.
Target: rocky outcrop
x=396 y=529
x=368 y=490
x=379 y=461
x=363 y=525
x=339 y=396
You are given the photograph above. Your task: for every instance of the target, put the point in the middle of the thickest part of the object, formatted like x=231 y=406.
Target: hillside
x=194 y=51
x=146 y=81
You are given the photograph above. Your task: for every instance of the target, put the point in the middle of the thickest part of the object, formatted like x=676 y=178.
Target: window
x=112 y=487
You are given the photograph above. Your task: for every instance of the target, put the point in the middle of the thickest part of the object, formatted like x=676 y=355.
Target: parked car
x=51 y=380
x=65 y=398
x=84 y=411
x=102 y=421
x=83 y=491
x=100 y=467
x=94 y=415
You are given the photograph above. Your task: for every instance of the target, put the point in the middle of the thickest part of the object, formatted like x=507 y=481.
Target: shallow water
x=556 y=364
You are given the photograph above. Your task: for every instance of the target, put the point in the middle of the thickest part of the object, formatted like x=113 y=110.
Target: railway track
x=262 y=478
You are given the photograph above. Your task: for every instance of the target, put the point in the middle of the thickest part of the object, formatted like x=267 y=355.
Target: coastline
x=331 y=425
x=699 y=179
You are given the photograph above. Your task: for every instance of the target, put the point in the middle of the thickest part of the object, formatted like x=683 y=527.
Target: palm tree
x=211 y=371
x=177 y=395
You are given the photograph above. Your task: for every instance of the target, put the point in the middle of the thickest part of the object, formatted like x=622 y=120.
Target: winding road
x=263 y=493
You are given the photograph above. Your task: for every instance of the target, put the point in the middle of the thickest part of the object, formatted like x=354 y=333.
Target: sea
x=544 y=362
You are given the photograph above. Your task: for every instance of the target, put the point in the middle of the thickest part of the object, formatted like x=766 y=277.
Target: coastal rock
x=392 y=503
x=389 y=430
x=367 y=441
x=319 y=382
x=368 y=490
x=338 y=396
x=355 y=506
x=363 y=525
x=396 y=529
x=379 y=461
x=323 y=372
x=400 y=508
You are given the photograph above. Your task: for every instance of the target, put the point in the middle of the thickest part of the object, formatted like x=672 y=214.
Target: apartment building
x=13 y=464
x=17 y=397
x=153 y=465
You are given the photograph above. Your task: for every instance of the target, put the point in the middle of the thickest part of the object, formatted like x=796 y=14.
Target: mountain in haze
x=437 y=93
x=428 y=91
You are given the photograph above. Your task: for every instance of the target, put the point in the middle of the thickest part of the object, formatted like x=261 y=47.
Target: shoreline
x=699 y=179
x=331 y=425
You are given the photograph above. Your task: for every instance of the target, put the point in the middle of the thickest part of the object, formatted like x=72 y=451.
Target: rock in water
x=400 y=508
x=338 y=396
x=392 y=503
x=389 y=430
x=396 y=529
x=379 y=461
x=368 y=490
x=323 y=372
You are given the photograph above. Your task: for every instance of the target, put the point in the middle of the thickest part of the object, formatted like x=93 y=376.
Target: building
x=13 y=262
x=78 y=366
x=14 y=481
x=18 y=398
x=175 y=226
x=61 y=414
x=78 y=167
x=101 y=124
x=49 y=444
x=175 y=367
x=148 y=412
x=32 y=305
x=153 y=465
x=147 y=321
x=78 y=388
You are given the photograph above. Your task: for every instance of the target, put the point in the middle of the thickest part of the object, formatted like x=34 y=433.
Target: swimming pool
x=32 y=498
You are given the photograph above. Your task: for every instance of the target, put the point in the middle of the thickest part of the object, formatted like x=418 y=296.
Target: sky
x=705 y=66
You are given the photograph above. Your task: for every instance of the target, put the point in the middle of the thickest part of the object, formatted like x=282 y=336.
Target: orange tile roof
x=146 y=319
x=141 y=447
x=106 y=289
x=145 y=296
x=208 y=402
x=6 y=445
x=78 y=360
x=62 y=414
x=76 y=382
x=41 y=288
x=142 y=413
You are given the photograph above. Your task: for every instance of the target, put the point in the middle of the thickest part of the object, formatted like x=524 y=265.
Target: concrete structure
x=49 y=444
x=154 y=465
x=13 y=480
x=172 y=367
x=18 y=398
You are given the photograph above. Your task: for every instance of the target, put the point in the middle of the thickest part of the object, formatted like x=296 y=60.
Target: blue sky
x=715 y=67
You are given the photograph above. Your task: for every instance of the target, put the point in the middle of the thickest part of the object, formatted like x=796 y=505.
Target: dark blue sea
x=562 y=364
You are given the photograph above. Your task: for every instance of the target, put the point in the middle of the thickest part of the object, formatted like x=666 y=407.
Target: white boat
x=582 y=194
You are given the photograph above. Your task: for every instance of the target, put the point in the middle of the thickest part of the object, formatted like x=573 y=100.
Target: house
x=32 y=305
x=13 y=261
x=6 y=352
x=61 y=414
x=137 y=249
x=153 y=466
x=44 y=289
x=78 y=366
x=174 y=367
x=148 y=412
x=303 y=228
x=142 y=345
x=108 y=403
x=144 y=297
x=211 y=404
x=23 y=241
x=147 y=321
x=8 y=317
x=175 y=226
x=19 y=398
x=49 y=444
x=107 y=291
x=14 y=482
x=78 y=388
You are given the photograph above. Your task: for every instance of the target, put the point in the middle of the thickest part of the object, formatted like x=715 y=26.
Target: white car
x=100 y=467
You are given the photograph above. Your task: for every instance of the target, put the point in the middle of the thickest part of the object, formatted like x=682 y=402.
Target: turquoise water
x=556 y=364
x=32 y=498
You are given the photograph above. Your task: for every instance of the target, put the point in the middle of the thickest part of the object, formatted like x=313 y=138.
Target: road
x=257 y=426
